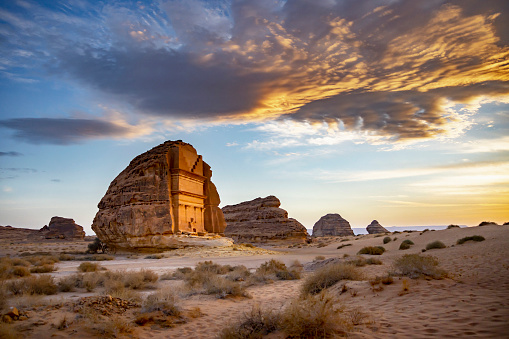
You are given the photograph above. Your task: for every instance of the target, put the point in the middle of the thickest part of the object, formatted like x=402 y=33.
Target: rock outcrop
x=163 y=193
x=261 y=220
x=63 y=228
x=332 y=225
x=375 y=227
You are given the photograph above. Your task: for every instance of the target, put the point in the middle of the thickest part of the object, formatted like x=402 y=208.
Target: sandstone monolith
x=164 y=193
x=63 y=228
x=261 y=220
x=375 y=227
x=332 y=225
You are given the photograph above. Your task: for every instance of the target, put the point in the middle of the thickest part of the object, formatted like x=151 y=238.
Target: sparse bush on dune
x=416 y=265
x=471 y=238
x=387 y=240
x=373 y=250
x=255 y=324
x=275 y=270
x=452 y=226
x=209 y=266
x=487 y=223
x=435 y=244
x=222 y=287
x=239 y=273
x=319 y=258
x=329 y=275
x=163 y=300
x=47 y=268
x=405 y=244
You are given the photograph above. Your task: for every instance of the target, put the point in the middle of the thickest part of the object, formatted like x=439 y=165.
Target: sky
x=395 y=110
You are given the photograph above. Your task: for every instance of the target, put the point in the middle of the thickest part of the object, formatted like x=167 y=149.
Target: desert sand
x=473 y=301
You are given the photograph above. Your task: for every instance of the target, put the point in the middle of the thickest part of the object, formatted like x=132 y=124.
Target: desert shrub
x=66 y=257
x=435 y=244
x=471 y=238
x=373 y=261
x=255 y=324
x=97 y=257
x=47 y=268
x=277 y=270
x=137 y=279
x=222 y=287
x=209 y=266
x=373 y=250
x=452 y=226
x=239 y=273
x=416 y=265
x=181 y=272
x=387 y=240
x=163 y=300
x=155 y=256
x=70 y=283
x=405 y=244
x=95 y=246
x=19 y=271
x=44 y=285
x=19 y=262
x=313 y=317
x=40 y=260
x=328 y=276
x=387 y=280
x=91 y=280
x=319 y=258
x=89 y=267
x=358 y=261
x=343 y=245
x=487 y=223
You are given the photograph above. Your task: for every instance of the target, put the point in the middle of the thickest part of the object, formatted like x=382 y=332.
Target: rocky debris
x=63 y=228
x=375 y=227
x=105 y=305
x=332 y=225
x=261 y=220
x=163 y=193
x=14 y=315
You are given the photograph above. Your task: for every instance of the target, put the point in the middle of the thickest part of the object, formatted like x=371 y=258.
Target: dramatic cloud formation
x=387 y=67
x=66 y=131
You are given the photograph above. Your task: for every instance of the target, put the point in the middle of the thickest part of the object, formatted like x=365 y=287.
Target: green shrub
x=328 y=276
x=472 y=238
x=373 y=250
x=406 y=244
x=95 y=246
x=416 y=265
x=435 y=244
x=387 y=240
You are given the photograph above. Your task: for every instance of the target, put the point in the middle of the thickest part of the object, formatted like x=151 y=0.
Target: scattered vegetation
x=471 y=238
x=343 y=245
x=361 y=261
x=487 y=223
x=416 y=265
x=329 y=275
x=406 y=244
x=373 y=250
x=163 y=300
x=435 y=244
x=319 y=258
x=96 y=245
x=43 y=285
x=276 y=270
x=387 y=240
x=452 y=226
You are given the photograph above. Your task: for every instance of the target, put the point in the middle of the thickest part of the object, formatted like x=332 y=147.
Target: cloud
x=10 y=154
x=390 y=68
x=63 y=131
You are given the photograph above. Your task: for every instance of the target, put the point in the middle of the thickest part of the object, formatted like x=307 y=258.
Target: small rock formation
x=63 y=228
x=261 y=220
x=164 y=192
x=375 y=227
x=332 y=224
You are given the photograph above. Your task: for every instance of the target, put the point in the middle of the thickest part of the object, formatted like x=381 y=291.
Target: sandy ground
x=472 y=302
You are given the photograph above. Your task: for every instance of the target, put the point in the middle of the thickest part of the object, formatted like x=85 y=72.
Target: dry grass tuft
x=44 y=285
x=329 y=275
x=163 y=300
x=46 y=268
x=275 y=270
x=89 y=267
x=254 y=324
x=416 y=265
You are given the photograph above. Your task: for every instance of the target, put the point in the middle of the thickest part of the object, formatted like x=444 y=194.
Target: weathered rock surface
x=164 y=192
x=261 y=220
x=332 y=225
x=63 y=228
x=375 y=227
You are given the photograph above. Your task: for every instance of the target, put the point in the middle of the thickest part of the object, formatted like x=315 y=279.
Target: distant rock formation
x=63 y=228
x=332 y=225
x=164 y=192
x=375 y=227
x=261 y=220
